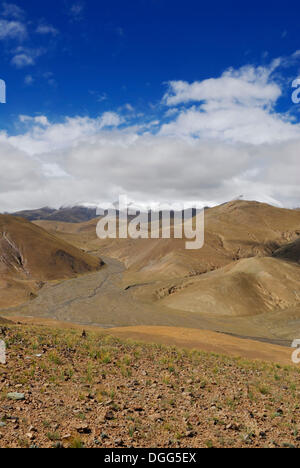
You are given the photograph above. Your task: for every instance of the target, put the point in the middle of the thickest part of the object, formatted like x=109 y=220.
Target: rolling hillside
x=245 y=280
x=236 y=230
x=248 y=287
x=30 y=256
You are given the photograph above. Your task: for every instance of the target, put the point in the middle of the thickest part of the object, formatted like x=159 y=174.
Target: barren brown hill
x=240 y=282
x=29 y=256
x=236 y=230
x=248 y=287
x=233 y=285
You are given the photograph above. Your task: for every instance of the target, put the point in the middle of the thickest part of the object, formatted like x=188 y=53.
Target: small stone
x=156 y=417
x=108 y=403
x=190 y=434
x=109 y=415
x=233 y=427
x=83 y=429
x=16 y=396
x=247 y=438
x=119 y=442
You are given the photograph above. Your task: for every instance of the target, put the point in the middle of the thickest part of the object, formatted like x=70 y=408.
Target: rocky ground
x=61 y=388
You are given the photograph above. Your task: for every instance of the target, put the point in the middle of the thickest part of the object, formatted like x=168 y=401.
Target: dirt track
x=100 y=299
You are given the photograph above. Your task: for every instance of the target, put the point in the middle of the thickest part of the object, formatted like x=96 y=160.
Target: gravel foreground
x=67 y=389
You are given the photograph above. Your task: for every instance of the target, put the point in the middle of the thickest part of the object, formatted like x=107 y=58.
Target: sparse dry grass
x=100 y=391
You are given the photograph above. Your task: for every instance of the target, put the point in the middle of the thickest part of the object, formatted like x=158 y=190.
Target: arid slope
x=97 y=391
x=236 y=230
x=245 y=280
x=30 y=256
x=245 y=288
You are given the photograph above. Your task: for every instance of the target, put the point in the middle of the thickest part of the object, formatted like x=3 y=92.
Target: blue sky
x=143 y=77
x=102 y=55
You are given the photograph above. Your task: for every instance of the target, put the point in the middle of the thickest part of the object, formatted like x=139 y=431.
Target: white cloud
x=76 y=10
x=40 y=120
x=128 y=107
x=246 y=86
x=28 y=80
x=41 y=137
x=47 y=29
x=24 y=57
x=232 y=123
x=237 y=107
x=17 y=170
x=171 y=112
x=100 y=97
x=99 y=166
x=110 y=119
x=213 y=150
x=12 y=30
x=11 y=10
x=22 y=60
x=15 y=27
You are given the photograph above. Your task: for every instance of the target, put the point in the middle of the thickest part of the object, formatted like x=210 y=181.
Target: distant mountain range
x=71 y=214
x=75 y=214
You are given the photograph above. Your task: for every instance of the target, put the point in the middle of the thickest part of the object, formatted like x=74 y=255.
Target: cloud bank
x=218 y=139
